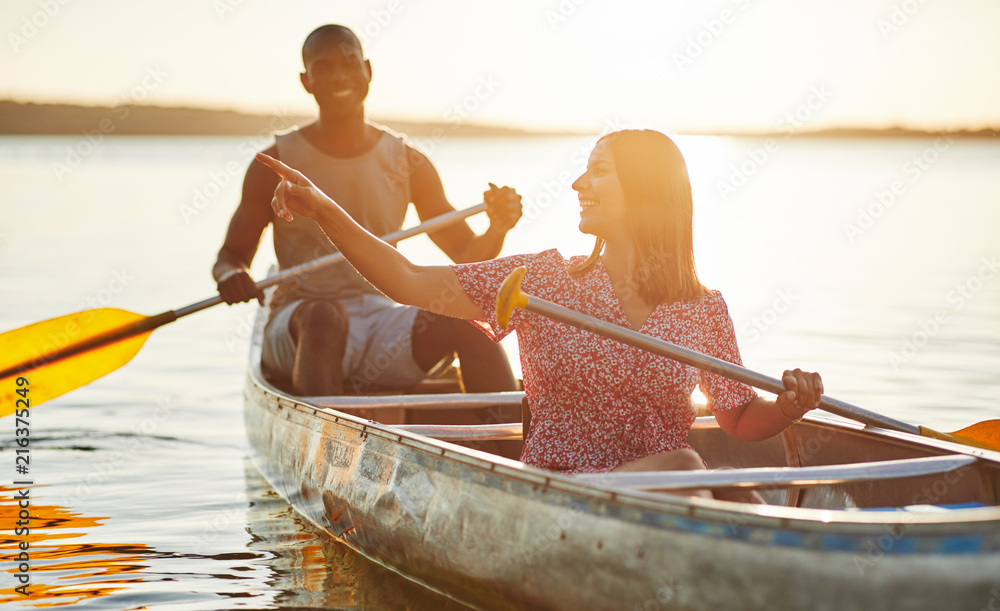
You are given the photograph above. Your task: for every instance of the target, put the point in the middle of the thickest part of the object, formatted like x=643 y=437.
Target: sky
x=582 y=65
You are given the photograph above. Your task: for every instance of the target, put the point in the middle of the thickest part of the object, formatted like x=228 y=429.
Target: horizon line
x=478 y=129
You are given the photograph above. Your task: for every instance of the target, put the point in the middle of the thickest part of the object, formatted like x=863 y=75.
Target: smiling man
x=331 y=331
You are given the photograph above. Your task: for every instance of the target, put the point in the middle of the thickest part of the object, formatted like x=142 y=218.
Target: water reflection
x=64 y=573
x=311 y=569
x=287 y=563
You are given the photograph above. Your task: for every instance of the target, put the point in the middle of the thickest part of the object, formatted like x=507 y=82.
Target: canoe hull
x=495 y=534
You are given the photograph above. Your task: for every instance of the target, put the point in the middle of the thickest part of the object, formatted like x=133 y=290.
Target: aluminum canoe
x=856 y=518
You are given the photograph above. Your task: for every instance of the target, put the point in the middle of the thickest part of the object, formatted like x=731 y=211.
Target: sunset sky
x=719 y=65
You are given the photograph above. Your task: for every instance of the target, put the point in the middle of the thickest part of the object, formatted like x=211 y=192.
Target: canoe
x=856 y=518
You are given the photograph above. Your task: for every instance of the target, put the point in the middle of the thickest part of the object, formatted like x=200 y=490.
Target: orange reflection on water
x=311 y=569
x=55 y=567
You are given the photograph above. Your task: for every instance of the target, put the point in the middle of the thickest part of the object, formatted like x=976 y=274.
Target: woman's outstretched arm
x=432 y=288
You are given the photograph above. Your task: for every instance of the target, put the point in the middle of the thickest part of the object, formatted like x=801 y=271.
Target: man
x=331 y=328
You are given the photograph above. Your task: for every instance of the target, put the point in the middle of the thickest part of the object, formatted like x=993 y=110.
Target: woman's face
x=602 y=202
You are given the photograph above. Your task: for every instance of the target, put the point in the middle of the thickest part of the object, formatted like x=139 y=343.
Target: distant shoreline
x=26 y=118
x=19 y=118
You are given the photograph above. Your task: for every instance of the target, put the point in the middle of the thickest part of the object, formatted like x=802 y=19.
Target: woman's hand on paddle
x=295 y=193
x=503 y=206
x=802 y=392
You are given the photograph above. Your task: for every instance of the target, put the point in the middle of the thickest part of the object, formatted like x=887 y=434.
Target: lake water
x=875 y=262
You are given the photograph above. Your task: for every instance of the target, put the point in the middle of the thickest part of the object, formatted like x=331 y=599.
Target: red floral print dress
x=596 y=403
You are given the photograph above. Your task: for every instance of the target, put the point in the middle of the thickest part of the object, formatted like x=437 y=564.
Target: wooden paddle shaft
x=434 y=224
x=705 y=362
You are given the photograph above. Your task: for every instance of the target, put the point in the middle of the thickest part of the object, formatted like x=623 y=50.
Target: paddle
x=981 y=435
x=65 y=353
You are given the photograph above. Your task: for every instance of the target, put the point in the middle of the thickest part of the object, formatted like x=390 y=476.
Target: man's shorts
x=379 y=343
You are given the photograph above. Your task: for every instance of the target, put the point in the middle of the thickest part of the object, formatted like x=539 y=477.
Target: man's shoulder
x=392 y=137
x=286 y=136
x=389 y=135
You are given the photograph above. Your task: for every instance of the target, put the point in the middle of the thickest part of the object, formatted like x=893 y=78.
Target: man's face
x=337 y=74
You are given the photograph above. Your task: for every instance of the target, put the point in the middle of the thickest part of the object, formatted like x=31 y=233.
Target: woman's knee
x=684 y=459
x=688 y=459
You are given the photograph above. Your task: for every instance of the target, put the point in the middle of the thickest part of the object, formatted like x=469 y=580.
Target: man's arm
x=231 y=270
x=458 y=241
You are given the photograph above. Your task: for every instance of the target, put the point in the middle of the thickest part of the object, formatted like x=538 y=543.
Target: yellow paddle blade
x=985 y=434
x=33 y=347
x=510 y=296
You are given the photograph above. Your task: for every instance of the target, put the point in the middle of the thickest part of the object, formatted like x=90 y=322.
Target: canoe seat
x=472 y=432
x=446 y=401
x=439 y=412
x=441 y=379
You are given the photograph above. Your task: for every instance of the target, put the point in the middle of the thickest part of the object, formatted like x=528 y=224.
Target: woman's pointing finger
x=279 y=168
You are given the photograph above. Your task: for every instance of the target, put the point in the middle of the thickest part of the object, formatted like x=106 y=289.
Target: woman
x=596 y=405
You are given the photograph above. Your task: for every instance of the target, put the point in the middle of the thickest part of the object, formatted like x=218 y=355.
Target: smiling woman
x=595 y=405
x=654 y=230
x=602 y=201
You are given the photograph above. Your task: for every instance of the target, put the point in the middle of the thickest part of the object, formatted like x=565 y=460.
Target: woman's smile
x=602 y=202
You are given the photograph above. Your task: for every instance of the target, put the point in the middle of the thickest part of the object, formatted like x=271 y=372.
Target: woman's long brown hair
x=659 y=206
